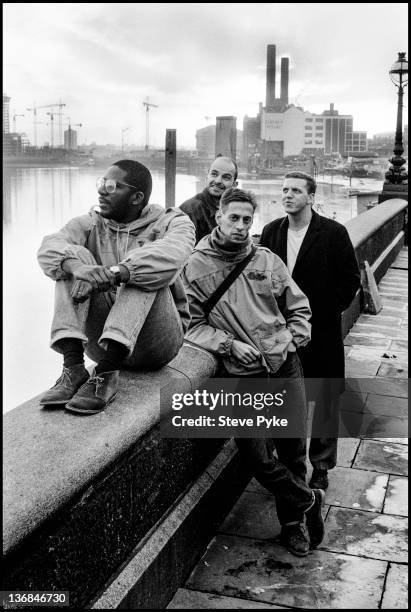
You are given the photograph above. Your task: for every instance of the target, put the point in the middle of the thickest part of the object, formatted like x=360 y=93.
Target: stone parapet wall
x=378 y=236
x=80 y=493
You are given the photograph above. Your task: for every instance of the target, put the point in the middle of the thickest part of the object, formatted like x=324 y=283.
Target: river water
x=39 y=201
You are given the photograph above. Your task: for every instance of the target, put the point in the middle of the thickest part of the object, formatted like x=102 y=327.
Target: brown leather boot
x=66 y=386
x=95 y=394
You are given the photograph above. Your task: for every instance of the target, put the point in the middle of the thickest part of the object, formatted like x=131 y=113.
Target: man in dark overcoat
x=321 y=259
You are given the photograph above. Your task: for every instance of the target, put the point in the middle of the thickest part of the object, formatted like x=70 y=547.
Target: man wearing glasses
x=202 y=207
x=118 y=292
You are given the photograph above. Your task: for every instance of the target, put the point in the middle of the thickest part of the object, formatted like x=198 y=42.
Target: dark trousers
x=324 y=369
x=283 y=475
x=323 y=453
x=323 y=444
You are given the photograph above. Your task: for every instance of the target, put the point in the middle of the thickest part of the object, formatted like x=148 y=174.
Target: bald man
x=202 y=207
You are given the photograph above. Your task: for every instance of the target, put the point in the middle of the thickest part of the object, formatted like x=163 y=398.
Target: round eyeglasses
x=110 y=185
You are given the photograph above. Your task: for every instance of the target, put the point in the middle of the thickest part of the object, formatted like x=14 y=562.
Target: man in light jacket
x=118 y=292
x=256 y=327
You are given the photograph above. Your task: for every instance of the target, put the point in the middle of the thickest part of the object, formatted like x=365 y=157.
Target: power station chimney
x=284 y=80
x=270 y=83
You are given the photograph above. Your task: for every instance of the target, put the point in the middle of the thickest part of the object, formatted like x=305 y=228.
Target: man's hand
x=98 y=277
x=244 y=353
x=81 y=291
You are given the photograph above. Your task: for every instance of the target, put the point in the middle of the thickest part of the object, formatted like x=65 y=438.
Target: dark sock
x=72 y=350
x=115 y=354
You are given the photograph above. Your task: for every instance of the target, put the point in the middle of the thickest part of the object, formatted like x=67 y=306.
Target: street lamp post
x=396 y=179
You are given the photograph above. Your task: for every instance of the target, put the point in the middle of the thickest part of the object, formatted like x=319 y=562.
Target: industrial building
x=207 y=147
x=282 y=129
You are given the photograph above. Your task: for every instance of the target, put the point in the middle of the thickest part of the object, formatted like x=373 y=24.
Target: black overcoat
x=326 y=270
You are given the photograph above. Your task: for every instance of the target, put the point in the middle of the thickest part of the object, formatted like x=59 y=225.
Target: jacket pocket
x=274 y=348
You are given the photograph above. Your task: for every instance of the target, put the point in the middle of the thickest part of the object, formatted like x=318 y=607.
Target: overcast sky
x=196 y=61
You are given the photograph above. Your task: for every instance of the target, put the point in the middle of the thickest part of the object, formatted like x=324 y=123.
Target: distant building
x=384 y=142
x=356 y=142
x=13 y=144
x=251 y=134
x=384 y=137
x=70 y=139
x=6 y=114
x=240 y=146
x=205 y=141
x=281 y=129
x=282 y=132
x=336 y=129
x=314 y=134
x=226 y=136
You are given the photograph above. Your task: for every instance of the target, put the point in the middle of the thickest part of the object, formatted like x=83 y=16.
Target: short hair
x=137 y=175
x=311 y=184
x=233 y=194
x=229 y=160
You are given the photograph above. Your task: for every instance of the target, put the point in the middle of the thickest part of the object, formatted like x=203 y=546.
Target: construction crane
x=35 y=108
x=148 y=105
x=14 y=121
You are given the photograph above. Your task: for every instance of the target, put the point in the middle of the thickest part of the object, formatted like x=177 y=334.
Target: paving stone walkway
x=362 y=561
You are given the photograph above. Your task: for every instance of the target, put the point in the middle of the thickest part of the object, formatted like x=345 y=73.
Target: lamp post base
x=390 y=191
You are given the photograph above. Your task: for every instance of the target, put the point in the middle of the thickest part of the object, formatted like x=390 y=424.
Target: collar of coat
x=215 y=245
x=312 y=233
x=209 y=201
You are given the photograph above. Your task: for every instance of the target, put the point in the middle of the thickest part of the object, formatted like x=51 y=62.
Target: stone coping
x=50 y=454
x=365 y=225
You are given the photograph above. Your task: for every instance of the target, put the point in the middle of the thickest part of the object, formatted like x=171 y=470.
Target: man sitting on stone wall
x=118 y=292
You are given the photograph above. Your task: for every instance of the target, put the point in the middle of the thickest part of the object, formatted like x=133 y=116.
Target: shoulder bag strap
x=229 y=279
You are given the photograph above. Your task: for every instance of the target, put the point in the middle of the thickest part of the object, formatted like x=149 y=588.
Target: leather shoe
x=314 y=519
x=295 y=539
x=319 y=479
x=95 y=394
x=66 y=386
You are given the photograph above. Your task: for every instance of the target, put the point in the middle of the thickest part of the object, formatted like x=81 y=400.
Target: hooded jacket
x=263 y=307
x=154 y=248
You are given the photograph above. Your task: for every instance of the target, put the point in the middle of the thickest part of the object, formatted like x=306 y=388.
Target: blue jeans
x=284 y=475
x=146 y=322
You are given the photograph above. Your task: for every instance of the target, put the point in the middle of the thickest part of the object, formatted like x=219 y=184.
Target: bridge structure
x=107 y=510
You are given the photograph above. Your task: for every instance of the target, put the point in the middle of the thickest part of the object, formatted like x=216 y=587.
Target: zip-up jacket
x=154 y=248
x=263 y=307
x=202 y=209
